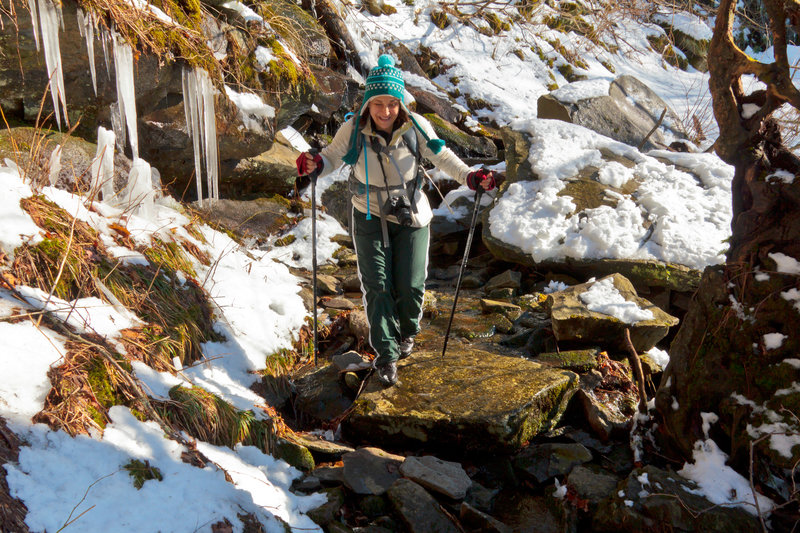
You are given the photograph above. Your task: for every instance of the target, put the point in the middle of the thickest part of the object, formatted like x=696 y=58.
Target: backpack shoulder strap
x=412 y=142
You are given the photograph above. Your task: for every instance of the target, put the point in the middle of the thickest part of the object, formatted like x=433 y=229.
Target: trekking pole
x=478 y=192
x=313 y=177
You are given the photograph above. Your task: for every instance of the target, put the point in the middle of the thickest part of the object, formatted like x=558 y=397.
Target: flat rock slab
x=420 y=511
x=444 y=477
x=471 y=399
x=371 y=470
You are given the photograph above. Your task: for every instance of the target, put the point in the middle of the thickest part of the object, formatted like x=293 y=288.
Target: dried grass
x=12 y=510
x=211 y=419
x=84 y=387
x=73 y=263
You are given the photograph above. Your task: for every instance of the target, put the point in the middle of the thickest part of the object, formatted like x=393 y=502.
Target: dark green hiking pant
x=392 y=281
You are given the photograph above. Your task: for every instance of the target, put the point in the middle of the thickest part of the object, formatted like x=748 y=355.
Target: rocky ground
x=515 y=428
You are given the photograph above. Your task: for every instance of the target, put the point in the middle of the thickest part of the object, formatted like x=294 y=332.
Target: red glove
x=302 y=163
x=475 y=178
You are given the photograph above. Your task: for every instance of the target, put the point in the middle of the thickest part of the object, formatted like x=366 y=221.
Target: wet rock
x=651 y=499
x=443 y=477
x=517 y=340
x=327 y=284
x=351 y=284
x=523 y=511
x=462 y=143
x=580 y=361
x=501 y=294
x=419 y=511
x=510 y=279
x=573 y=321
x=480 y=497
x=320 y=395
x=478 y=521
x=358 y=325
x=342 y=304
x=371 y=470
x=328 y=511
x=329 y=475
x=351 y=360
x=545 y=461
x=591 y=485
x=474 y=398
x=510 y=310
x=293 y=453
x=322 y=449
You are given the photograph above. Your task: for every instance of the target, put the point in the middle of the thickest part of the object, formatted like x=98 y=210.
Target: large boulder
x=572 y=320
x=473 y=399
x=557 y=212
x=625 y=110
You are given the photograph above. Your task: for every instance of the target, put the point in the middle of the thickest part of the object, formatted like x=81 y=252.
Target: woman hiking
x=384 y=143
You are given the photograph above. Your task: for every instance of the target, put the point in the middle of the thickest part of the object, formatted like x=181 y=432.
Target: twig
x=652 y=131
x=636 y=365
x=68 y=522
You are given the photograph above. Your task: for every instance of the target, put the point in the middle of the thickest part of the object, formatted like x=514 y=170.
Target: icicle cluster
x=198 y=104
x=103 y=165
x=47 y=16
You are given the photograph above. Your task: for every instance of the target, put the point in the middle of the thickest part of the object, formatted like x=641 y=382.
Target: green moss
x=141 y=471
x=296 y=455
x=519 y=54
x=526 y=8
x=439 y=19
x=495 y=22
x=608 y=66
x=285 y=241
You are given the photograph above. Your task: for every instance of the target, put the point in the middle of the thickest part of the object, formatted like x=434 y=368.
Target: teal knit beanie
x=385 y=80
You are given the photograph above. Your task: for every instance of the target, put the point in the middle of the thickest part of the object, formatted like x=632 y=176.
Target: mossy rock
x=580 y=361
x=296 y=455
x=461 y=142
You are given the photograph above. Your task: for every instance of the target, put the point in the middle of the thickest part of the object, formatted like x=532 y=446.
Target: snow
x=773 y=341
x=786 y=264
x=720 y=483
x=603 y=297
x=61 y=478
x=253 y=112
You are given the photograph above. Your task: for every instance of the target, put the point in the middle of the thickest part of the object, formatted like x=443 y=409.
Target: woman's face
x=384 y=110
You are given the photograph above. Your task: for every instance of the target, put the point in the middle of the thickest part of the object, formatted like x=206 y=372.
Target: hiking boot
x=406 y=345
x=387 y=373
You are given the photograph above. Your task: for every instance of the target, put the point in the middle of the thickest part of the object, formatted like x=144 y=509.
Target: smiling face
x=384 y=111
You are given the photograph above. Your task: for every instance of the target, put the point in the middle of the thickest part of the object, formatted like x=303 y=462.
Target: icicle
x=118 y=124
x=49 y=20
x=35 y=20
x=55 y=165
x=193 y=126
x=86 y=29
x=210 y=137
x=139 y=192
x=126 y=95
x=105 y=36
x=201 y=126
x=103 y=165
